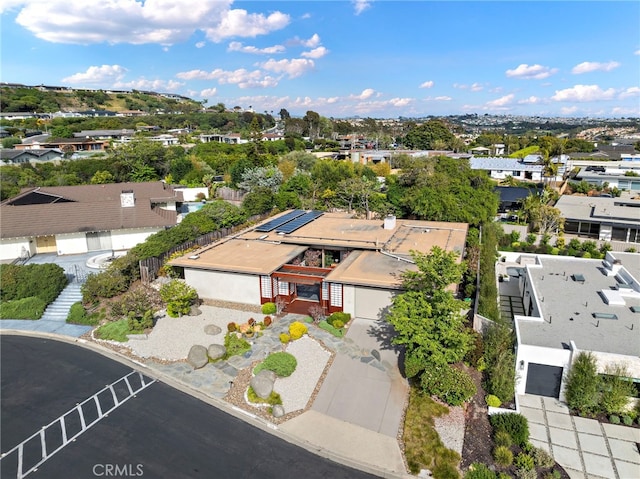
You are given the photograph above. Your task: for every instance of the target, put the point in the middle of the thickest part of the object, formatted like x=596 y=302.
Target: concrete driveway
x=364 y=385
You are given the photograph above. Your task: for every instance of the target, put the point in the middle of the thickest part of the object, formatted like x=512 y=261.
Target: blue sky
x=380 y=59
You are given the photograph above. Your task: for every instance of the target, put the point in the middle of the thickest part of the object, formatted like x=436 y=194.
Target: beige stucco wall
x=234 y=287
x=12 y=248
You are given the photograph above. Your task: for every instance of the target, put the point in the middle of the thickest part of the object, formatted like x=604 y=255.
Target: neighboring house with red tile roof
x=79 y=219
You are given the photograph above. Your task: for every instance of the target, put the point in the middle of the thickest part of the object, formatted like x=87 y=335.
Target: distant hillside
x=52 y=99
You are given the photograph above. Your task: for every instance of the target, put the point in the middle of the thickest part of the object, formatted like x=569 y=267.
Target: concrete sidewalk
x=586 y=448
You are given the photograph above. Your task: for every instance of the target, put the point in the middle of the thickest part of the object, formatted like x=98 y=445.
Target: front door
x=46 y=244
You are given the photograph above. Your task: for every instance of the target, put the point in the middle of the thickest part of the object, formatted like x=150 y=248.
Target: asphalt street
x=159 y=433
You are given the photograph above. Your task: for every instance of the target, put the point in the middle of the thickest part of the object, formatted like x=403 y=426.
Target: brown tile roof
x=87 y=208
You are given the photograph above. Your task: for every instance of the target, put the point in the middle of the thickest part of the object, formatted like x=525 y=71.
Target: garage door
x=543 y=380
x=371 y=303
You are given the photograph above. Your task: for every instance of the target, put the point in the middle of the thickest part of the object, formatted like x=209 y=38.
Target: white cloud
x=7 y=5
x=532 y=100
x=154 y=85
x=293 y=68
x=460 y=86
x=312 y=42
x=119 y=21
x=240 y=23
x=622 y=111
x=531 y=72
x=360 y=6
x=568 y=110
x=241 y=77
x=315 y=53
x=427 y=84
x=630 y=92
x=239 y=47
x=365 y=95
x=583 y=93
x=200 y=44
x=637 y=52
x=501 y=102
x=208 y=92
x=476 y=87
x=165 y=22
x=443 y=98
x=105 y=74
x=586 y=67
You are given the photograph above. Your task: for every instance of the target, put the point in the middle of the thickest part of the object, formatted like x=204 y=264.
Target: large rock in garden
x=216 y=351
x=194 y=311
x=212 y=329
x=262 y=383
x=197 y=356
x=278 y=410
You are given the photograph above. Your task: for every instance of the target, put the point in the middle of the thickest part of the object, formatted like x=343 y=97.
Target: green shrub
x=554 y=474
x=477 y=470
x=448 y=383
x=179 y=297
x=493 y=401
x=338 y=324
x=522 y=473
x=137 y=300
x=615 y=389
x=235 y=346
x=78 y=315
x=344 y=318
x=107 y=284
x=25 y=308
x=524 y=461
x=297 y=330
x=614 y=419
x=516 y=425
x=583 y=382
x=627 y=420
x=44 y=281
x=284 y=338
x=138 y=323
x=503 y=456
x=502 y=438
x=114 y=331
x=281 y=363
x=542 y=458
x=338 y=333
x=269 y=308
x=273 y=399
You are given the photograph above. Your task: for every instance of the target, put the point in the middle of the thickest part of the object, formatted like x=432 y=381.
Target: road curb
x=216 y=402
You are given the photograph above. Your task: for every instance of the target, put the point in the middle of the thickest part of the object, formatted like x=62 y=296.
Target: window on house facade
x=336 y=295
x=265 y=287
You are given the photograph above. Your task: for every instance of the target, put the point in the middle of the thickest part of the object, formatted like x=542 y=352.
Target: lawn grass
x=115 y=331
x=423 y=447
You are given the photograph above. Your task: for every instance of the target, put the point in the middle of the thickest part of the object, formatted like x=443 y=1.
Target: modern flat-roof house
x=571 y=305
x=606 y=219
x=625 y=177
x=307 y=258
x=78 y=219
x=499 y=168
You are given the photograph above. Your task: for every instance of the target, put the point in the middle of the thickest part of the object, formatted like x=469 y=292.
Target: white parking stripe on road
x=19 y=451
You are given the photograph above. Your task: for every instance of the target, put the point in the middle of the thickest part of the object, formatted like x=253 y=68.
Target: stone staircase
x=59 y=309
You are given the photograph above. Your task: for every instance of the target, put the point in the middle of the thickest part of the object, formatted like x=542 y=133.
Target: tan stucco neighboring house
x=79 y=219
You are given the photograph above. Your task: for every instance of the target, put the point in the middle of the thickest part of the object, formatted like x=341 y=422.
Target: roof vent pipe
x=389 y=222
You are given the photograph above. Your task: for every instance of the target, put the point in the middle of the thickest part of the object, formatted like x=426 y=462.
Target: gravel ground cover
x=172 y=338
x=297 y=389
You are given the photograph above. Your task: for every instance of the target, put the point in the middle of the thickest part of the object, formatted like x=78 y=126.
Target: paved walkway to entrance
x=586 y=448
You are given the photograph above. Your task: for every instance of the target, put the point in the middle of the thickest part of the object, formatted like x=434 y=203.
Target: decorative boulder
x=212 y=329
x=197 y=356
x=194 y=311
x=262 y=383
x=216 y=351
x=278 y=410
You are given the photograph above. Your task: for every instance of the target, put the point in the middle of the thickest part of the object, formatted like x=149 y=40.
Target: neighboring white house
x=78 y=219
x=313 y=258
x=500 y=168
x=571 y=305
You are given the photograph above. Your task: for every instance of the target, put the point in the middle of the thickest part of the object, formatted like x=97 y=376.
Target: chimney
x=389 y=222
x=127 y=199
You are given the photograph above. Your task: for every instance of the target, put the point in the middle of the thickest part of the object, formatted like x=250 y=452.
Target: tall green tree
x=425 y=136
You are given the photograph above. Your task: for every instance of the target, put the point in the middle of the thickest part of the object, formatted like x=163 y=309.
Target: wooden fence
x=149 y=267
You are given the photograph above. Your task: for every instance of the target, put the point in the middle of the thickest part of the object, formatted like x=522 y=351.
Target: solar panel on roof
x=299 y=222
x=273 y=224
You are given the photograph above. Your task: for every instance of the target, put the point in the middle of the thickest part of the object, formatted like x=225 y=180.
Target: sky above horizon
x=379 y=59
